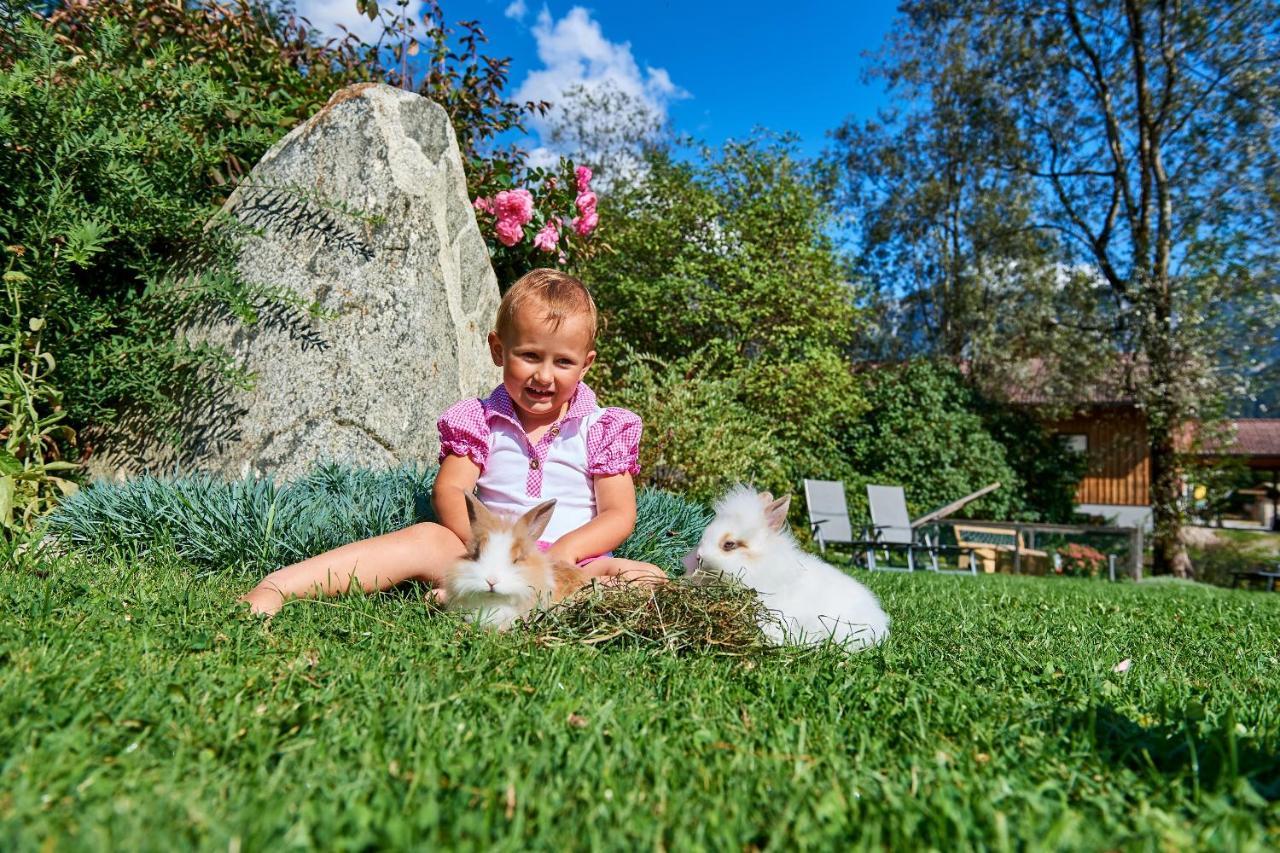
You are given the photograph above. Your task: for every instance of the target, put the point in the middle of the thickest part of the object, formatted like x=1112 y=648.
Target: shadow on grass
x=1209 y=756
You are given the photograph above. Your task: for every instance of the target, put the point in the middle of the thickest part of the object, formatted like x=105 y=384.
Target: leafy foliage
x=260 y=54
x=264 y=50
x=728 y=257
x=931 y=433
x=32 y=476
x=107 y=160
x=699 y=436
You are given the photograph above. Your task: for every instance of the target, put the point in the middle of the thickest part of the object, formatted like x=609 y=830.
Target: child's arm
x=614 y=521
x=458 y=476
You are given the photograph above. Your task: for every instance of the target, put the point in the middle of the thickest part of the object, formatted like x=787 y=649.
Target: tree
x=608 y=129
x=727 y=255
x=942 y=233
x=1145 y=135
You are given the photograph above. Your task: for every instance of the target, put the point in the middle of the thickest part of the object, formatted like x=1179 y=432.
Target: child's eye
x=564 y=362
x=729 y=545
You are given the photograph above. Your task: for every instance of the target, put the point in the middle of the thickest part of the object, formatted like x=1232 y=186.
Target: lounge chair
x=892 y=528
x=828 y=512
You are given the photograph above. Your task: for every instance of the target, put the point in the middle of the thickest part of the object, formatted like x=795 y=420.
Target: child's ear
x=495 y=348
x=591 y=359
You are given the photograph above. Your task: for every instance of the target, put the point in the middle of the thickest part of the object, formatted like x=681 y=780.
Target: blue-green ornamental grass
x=139 y=709
x=254 y=525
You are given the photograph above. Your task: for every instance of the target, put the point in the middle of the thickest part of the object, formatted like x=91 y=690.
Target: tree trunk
x=1166 y=416
x=1169 y=551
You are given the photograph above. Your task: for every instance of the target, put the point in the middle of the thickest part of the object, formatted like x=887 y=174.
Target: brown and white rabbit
x=504 y=575
x=810 y=600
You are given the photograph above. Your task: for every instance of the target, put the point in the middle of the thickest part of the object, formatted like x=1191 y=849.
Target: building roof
x=1255 y=437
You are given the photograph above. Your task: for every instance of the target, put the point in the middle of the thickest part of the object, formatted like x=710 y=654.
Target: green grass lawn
x=138 y=710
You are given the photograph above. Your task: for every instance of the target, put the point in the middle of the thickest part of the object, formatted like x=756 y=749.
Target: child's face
x=542 y=365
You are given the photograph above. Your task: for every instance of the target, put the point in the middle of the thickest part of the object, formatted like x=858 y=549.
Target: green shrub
x=728 y=256
x=106 y=167
x=262 y=49
x=929 y=432
x=31 y=472
x=699 y=437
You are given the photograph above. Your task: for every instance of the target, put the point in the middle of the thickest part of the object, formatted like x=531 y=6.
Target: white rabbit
x=812 y=600
x=504 y=575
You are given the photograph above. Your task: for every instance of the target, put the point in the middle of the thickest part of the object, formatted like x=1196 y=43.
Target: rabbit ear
x=775 y=512
x=766 y=497
x=477 y=512
x=533 y=522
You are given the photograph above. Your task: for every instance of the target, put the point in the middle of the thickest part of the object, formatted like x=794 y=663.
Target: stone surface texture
x=364 y=210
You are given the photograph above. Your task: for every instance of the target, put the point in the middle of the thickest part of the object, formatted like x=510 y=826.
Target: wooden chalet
x=1105 y=424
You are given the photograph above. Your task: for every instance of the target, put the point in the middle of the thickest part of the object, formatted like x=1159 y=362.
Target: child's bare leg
x=616 y=571
x=421 y=552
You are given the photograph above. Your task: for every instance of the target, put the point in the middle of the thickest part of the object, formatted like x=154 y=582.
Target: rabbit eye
x=729 y=545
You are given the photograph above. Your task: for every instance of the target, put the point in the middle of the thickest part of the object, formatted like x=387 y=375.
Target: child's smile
x=542 y=363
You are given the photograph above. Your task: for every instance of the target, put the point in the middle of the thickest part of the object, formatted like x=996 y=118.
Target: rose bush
x=544 y=218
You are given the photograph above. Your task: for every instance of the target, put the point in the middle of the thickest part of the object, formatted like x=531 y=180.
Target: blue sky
x=716 y=69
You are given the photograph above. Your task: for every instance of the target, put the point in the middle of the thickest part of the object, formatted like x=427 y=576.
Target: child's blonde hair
x=558 y=294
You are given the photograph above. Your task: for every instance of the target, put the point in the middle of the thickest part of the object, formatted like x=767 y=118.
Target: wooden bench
x=987 y=542
x=1253 y=575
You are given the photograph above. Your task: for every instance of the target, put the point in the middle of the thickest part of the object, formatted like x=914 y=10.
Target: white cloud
x=575 y=53
x=326 y=15
x=516 y=10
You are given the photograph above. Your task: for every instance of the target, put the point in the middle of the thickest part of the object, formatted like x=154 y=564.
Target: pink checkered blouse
x=515 y=476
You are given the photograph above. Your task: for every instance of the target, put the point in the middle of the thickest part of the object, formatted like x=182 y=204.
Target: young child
x=539 y=435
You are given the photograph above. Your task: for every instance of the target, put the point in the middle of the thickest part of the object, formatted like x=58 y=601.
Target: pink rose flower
x=548 y=239
x=509 y=232
x=483 y=205
x=586 y=202
x=583 y=174
x=514 y=204
x=586 y=223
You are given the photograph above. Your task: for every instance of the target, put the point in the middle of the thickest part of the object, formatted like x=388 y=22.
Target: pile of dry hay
x=677 y=617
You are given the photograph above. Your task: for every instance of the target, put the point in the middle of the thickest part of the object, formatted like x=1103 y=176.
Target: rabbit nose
x=492 y=582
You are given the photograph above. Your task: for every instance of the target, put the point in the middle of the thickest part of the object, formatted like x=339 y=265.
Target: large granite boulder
x=362 y=210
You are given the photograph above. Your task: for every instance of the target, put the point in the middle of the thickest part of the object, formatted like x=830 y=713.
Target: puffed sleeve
x=613 y=444
x=464 y=431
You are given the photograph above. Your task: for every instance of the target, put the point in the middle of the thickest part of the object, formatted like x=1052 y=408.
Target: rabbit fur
x=810 y=599
x=504 y=575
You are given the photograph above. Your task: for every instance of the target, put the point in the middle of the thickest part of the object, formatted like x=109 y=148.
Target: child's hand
x=614 y=521
x=562 y=553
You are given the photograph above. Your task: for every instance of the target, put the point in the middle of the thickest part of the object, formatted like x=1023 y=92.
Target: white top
x=588 y=442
